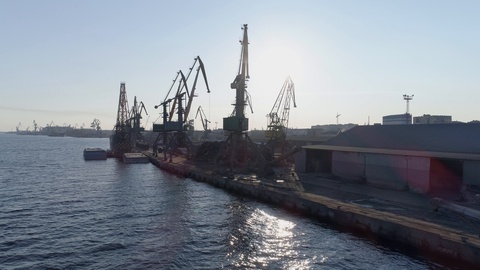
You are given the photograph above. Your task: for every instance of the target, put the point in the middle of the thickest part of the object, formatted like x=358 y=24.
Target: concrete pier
x=422 y=225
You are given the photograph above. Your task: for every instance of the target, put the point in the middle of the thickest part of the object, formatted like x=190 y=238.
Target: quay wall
x=419 y=237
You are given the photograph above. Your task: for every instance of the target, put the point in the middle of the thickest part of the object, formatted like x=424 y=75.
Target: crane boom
x=183 y=88
x=201 y=67
x=182 y=84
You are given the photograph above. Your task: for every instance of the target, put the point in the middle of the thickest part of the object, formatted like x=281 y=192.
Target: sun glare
x=275 y=60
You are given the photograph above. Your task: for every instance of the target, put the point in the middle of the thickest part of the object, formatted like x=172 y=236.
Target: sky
x=62 y=62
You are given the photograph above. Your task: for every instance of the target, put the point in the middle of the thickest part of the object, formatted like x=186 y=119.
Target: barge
x=135 y=158
x=94 y=154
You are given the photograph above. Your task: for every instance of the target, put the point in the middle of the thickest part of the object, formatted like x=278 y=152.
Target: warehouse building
x=420 y=158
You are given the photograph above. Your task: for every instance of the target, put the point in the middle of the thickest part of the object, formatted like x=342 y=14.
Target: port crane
x=205 y=123
x=120 y=141
x=183 y=88
x=277 y=123
x=239 y=151
x=134 y=122
x=279 y=115
x=174 y=132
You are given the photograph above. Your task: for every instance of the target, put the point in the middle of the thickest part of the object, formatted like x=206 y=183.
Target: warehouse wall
x=386 y=171
x=398 y=172
x=348 y=165
x=418 y=175
x=471 y=172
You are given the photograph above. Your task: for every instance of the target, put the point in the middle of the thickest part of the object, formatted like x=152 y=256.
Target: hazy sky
x=63 y=61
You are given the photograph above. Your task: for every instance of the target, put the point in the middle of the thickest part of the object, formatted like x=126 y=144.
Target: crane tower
x=120 y=141
x=239 y=150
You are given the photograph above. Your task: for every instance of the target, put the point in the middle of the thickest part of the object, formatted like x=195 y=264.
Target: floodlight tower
x=408 y=98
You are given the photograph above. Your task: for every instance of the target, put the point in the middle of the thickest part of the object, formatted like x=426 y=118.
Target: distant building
x=432 y=119
x=398 y=119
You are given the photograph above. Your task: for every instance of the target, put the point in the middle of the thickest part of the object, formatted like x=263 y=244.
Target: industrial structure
x=174 y=132
x=239 y=151
x=280 y=113
x=127 y=134
x=205 y=122
x=137 y=137
x=121 y=139
x=278 y=117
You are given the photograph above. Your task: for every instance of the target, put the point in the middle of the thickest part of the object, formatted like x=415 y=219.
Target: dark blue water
x=58 y=211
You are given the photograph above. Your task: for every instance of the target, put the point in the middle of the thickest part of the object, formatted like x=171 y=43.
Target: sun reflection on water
x=265 y=241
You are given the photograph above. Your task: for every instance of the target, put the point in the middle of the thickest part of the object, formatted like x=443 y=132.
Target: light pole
x=408 y=98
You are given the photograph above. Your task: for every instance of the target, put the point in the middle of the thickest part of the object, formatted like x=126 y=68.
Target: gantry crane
x=173 y=132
